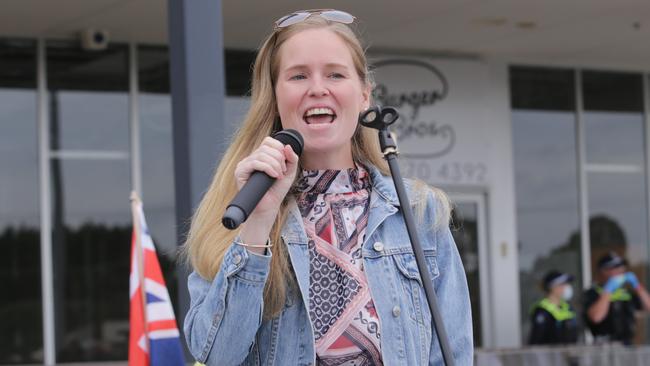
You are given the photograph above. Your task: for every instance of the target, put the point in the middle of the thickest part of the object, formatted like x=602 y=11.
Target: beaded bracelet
x=267 y=245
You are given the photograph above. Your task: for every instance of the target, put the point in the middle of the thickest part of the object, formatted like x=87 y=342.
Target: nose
x=318 y=88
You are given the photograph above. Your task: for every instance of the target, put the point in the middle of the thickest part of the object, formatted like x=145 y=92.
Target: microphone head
x=292 y=138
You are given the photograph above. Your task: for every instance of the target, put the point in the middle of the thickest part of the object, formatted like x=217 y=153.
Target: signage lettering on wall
x=412 y=125
x=426 y=138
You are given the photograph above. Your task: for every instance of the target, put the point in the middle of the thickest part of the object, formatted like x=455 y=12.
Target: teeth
x=315 y=111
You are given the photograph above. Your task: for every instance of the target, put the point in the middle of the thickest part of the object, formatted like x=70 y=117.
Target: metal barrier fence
x=601 y=355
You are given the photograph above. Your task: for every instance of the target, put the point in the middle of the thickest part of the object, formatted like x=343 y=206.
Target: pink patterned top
x=334 y=205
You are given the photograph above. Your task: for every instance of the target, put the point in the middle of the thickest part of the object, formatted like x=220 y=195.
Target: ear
x=365 y=97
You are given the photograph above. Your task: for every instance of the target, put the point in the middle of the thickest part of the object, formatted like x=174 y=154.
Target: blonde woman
x=322 y=272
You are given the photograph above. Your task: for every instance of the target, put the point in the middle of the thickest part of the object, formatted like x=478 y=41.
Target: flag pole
x=136 y=203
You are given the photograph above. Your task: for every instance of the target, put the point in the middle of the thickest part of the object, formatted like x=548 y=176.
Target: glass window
x=157 y=159
x=88 y=100
x=613 y=118
x=153 y=69
x=614 y=138
x=546 y=181
x=21 y=321
x=91 y=248
x=617 y=220
x=539 y=88
x=616 y=184
x=239 y=68
x=612 y=91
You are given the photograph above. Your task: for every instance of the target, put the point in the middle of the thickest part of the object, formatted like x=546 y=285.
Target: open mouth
x=321 y=115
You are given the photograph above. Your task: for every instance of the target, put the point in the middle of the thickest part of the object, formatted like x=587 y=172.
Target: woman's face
x=320 y=94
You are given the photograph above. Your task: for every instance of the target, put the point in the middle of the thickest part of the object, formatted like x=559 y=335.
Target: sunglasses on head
x=327 y=14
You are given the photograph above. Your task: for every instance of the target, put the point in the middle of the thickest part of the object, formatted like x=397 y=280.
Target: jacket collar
x=294 y=230
x=383 y=186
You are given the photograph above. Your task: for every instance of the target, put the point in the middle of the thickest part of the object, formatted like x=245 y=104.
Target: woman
x=322 y=270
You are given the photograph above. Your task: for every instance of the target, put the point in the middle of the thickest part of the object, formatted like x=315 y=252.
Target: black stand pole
x=381 y=118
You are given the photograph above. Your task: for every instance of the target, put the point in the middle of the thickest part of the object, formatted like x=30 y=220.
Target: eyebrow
x=303 y=66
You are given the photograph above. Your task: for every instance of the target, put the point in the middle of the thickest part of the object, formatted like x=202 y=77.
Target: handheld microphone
x=259 y=182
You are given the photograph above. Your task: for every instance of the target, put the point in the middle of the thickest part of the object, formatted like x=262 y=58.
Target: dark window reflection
x=540 y=88
x=70 y=67
x=91 y=246
x=18 y=63
x=153 y=69
x=612 y=91
x=239 y=67
x=21 y=322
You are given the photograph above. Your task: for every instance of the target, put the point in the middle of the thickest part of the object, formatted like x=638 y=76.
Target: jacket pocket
x=411 y=282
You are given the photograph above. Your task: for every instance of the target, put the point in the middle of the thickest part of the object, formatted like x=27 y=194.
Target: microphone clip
x=380 y=118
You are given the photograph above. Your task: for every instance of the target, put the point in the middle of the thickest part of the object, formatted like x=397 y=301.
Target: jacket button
x=396 y=311
x=236 y=259
x=378 y=246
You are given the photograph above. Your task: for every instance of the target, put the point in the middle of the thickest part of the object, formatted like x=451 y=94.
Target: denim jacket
x=224 y=324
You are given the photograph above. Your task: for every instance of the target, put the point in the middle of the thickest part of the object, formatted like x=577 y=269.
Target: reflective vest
x=560 y=313
x=620 y=294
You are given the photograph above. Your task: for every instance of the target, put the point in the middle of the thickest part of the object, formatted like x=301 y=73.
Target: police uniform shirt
x=561 y=328
x=618 y=325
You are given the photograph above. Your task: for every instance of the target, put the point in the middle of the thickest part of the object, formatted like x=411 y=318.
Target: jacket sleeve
x=454 y=304
x=226 y=313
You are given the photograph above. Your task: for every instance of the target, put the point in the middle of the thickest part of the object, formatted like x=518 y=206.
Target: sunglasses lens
x=338 y=16
x=331 y=15
x=291 y=19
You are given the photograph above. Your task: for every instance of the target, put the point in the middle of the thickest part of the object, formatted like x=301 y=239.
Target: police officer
x=610 y=305
x=553 y=319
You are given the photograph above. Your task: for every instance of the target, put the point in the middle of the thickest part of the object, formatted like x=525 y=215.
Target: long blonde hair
x=208 y=240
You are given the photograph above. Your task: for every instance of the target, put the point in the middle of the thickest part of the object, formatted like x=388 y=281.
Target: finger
x=275 y=159
x=273 y=162
x=262 y=166
x=290 y=155
x=276 y=154
x=270 y=141
x=246 y=166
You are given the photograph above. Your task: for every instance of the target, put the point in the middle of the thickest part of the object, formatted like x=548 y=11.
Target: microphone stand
x=380 y=118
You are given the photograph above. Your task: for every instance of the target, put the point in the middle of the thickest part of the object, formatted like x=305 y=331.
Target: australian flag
x=154 y=338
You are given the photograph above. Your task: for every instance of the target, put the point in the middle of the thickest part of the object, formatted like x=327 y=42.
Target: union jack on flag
x=154 y=338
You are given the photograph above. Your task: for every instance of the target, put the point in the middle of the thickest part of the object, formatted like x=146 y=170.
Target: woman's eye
x=298 y=77
x=337 y=75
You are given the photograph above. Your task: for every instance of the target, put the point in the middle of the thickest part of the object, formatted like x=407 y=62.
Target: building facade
x=546 y=162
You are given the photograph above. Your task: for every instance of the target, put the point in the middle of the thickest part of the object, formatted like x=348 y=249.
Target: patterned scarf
x=334 y=206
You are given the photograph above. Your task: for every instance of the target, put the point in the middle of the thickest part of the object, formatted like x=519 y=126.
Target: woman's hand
x=279 y=162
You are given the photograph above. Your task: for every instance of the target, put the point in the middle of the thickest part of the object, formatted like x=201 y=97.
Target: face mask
x=567 y=294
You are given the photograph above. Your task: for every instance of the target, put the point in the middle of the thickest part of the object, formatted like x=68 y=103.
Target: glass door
x=468 y=227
